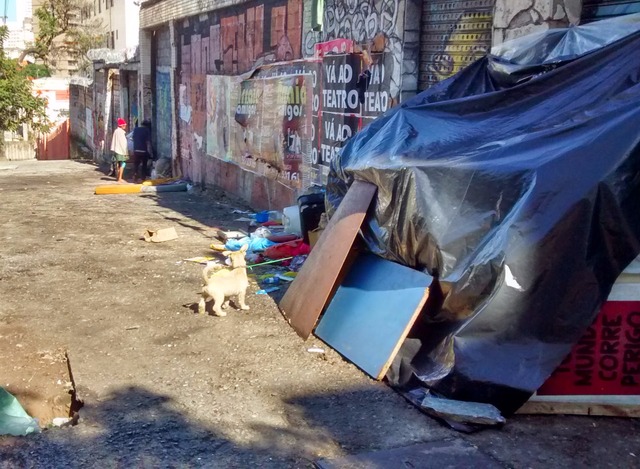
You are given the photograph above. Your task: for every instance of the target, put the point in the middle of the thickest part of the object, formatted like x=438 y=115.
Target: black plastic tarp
x=522 y=200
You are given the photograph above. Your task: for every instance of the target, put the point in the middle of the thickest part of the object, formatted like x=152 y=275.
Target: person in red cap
x=120 y=148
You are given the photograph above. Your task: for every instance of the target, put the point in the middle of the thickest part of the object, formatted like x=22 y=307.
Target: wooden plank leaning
x=310 y=293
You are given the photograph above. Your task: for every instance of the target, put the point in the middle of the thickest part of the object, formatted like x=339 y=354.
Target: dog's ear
x=244 y=248
x=226 y=253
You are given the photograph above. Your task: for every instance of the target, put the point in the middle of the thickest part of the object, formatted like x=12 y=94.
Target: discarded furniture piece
x=372 y=312
x=311 y=291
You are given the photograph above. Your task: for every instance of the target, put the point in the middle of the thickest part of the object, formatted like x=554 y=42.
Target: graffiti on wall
x=453 y=38
x=287 y=122
x=163 y=117
x=365 y=22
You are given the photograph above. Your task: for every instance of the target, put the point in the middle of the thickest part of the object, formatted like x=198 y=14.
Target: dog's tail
x=207 y=269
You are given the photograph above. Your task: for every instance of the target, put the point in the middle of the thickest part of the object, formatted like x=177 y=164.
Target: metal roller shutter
x=593 y=10
x=454 y=34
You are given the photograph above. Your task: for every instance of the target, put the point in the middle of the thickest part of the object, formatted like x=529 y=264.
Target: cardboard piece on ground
x=314 y=235
x=200 y=260
x=311 y=291
x=373 y=311
x=161 y=235
x=226 y=235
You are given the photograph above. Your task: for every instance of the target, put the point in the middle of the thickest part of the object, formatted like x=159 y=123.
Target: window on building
x=111 y=3
x=113 y=40
x=116 y=34
x=106 y=4
x=99 y=6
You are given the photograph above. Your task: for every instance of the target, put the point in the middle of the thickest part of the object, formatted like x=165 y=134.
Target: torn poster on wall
x=273 y=114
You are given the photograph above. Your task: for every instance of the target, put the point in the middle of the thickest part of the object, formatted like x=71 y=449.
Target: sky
x=11 y=9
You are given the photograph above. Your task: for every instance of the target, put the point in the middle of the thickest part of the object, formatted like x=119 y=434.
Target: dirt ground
x=165 y=387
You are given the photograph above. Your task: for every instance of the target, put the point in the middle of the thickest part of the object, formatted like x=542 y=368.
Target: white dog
x=225 y=282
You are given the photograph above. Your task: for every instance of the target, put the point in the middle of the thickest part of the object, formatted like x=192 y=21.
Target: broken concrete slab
x=469 y=413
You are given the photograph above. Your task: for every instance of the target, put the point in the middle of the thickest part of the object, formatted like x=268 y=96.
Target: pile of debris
x=476 y=230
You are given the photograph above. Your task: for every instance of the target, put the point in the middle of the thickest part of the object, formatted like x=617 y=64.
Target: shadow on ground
x=137 y=428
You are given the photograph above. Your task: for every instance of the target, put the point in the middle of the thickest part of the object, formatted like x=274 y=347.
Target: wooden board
x=373 y=311
x=311 y=291
x=609 y=406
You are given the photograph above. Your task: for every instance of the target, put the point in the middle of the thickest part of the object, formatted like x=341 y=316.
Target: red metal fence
x=55 y=145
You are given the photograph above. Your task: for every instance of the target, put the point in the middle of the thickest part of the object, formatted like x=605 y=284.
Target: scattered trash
x=224 y=236
x=262 y=217
x=243 y=219
x=282 y=238
x=165 y=188
x=289 y=249
x=261 y=232
x=246 y=212
x=200 y=260
x=271 y=280
x=264 y=291
x=287 y=277
x=291 y=220
x=161 y=235
x=131 y=328
x=314 y=236
x=13 y=418
x=253 y=244
x=297 y=262
x=275 y=216
x=470 y=413
x=61 y=421
x=253 y=257
x=269 y=262
x=157 y=182
x=315 y=350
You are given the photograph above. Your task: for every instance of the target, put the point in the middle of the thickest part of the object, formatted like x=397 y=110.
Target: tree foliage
x=18 y=104
x=35 y=71
x=64 y=30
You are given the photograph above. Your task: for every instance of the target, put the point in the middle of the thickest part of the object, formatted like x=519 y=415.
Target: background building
x=17 y=16
x=120 y=19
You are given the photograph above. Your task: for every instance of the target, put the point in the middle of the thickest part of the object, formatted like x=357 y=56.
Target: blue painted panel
x=164 y=115
x=372 y=312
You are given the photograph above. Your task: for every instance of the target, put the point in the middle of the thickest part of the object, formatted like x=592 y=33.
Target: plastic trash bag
x=521 y=201
x=13 y=419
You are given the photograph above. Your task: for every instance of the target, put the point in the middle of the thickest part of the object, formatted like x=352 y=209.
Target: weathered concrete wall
x=81 y=114
x=19 y=150
x=516 y=18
